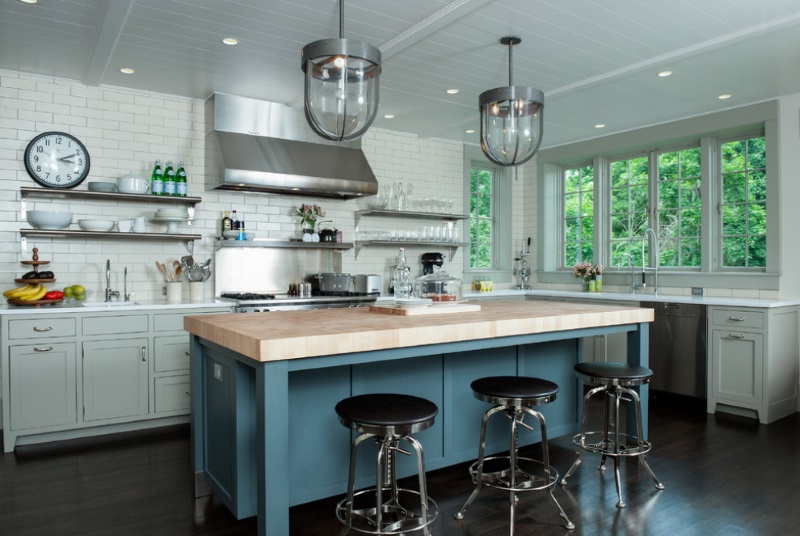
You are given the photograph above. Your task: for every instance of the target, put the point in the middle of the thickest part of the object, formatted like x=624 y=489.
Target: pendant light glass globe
x=511 y=119
x=342 y=81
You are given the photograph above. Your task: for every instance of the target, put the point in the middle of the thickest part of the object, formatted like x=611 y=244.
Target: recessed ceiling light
x=452 y=91
x=470 y=131
x=388 y=116
x=127 y=70
x=230 y=41
x=599 y=125
x=664 y=74
x=724 y=96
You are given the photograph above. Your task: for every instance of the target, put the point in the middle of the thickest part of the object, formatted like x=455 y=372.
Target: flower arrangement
x=308 y=215
x=587 y=270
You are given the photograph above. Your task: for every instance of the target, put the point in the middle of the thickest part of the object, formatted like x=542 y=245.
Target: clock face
x=57 y=160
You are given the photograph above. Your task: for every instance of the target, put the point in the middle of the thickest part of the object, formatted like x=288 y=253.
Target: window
x=481 y=210
x=578 y=210
x=629 y=209
x=607 y=206
x=743 y=204
x=679 y=208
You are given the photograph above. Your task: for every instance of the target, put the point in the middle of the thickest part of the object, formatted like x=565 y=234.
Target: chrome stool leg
x=638 y=409
x=479 y=470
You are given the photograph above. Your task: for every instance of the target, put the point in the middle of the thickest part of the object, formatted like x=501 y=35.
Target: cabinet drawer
x=172 y=394
x=112 y=325
x=44 y=327
x=738 y=318
x=174 y=321
x=171 y=353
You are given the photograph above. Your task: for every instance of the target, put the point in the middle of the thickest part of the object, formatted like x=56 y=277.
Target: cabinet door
x=43 y=385
x=115 y=378
x=737 y=362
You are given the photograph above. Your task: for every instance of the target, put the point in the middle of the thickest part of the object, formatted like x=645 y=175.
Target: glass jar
x=438 y=286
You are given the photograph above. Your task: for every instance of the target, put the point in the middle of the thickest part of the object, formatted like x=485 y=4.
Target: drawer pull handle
x=736 y=318
x=188 y=353
x=736 y=335
x=188 y=392
x=42 y=348
x=48 y=328
x=143 y=354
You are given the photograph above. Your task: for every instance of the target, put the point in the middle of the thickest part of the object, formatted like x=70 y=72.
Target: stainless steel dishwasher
x=678 y=348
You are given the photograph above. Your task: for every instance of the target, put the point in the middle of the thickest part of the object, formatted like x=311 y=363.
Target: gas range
x=257 y=302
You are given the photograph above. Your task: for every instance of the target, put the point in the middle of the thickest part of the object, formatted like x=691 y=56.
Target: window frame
x=500 y=272
x=552 y=162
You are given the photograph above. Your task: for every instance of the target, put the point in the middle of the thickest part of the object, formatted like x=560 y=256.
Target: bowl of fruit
x=75 y=293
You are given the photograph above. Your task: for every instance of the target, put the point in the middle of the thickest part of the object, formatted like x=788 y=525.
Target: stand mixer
x=429 y=260
x=522 y=270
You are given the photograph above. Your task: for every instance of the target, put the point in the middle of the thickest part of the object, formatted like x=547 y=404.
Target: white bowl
x=133 y=184
x=49 y=219
x=231 y=235
x=96 y=225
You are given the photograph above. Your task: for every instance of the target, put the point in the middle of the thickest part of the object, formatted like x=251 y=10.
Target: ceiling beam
x=430 y=25
x=117 y=12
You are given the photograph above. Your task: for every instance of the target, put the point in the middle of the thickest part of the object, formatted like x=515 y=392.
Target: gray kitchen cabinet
x=115 y=379
x=74 y=374
x=753 y=361
x=45 y=386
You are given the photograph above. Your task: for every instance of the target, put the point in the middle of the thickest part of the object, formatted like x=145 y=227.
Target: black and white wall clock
x=57 y=160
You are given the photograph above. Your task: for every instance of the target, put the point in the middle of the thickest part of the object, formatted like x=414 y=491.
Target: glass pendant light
x=341 y=85
x=511 y=119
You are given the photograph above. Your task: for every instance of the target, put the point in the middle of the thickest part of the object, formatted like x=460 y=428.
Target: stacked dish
x=171 y=217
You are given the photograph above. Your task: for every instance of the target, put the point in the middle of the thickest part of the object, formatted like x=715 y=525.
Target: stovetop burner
x=250 y=296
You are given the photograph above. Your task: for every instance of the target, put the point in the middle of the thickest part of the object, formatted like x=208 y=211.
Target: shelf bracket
x=23 y=209
x=357 y=248
x=23 y=244
x=452 y=251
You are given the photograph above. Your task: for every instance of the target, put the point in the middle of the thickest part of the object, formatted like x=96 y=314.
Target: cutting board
x=422 y=310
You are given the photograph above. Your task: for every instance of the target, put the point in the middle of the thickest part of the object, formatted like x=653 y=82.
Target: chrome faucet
x=109 y=293
x=125 y=293
x=634 y=286
x=654 y=244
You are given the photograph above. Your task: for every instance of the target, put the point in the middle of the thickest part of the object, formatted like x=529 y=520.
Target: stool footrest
x=628 y=446
x=524 y=480
x=396 y=518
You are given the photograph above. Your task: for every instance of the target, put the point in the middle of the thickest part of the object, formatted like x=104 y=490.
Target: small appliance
x=429 y=260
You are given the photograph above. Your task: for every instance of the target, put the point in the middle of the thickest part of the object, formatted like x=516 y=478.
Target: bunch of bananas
x=26 y=293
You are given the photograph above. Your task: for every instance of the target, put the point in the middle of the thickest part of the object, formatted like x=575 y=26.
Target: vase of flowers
x=589 y=274
x=308 y=215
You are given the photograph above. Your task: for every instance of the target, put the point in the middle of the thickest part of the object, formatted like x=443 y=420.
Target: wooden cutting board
x=422 y=310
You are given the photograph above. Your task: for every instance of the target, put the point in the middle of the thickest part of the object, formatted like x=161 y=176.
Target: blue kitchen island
x=264 y=432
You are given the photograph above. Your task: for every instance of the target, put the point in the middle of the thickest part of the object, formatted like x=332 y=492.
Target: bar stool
x=388 y=418
x=515 y=396
x=613 y=381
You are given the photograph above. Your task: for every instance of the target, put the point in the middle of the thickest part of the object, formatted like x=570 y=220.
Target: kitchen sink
x=112 y=304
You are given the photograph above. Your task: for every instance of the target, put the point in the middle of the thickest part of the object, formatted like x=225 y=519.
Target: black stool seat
x=514 y=390
x=386 y=413
x=613 y=373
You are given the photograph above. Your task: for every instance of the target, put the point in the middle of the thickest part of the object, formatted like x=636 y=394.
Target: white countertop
x=143 y=305
x=616 y=296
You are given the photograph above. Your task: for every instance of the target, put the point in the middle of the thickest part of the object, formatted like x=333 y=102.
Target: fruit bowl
x=71 y=297
x=49 y=219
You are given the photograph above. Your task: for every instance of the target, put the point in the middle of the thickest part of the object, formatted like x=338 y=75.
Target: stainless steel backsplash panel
x=270 y=270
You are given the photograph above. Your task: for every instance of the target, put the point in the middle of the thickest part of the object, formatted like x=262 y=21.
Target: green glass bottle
x=157 y=180
x=181 y=186
x=169 y=179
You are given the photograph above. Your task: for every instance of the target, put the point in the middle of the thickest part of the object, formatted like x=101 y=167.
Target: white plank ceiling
x=596 y=60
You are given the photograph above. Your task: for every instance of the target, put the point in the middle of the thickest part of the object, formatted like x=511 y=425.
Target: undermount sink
x=108 y=304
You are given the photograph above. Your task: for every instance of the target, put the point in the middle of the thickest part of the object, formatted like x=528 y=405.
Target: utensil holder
x=196 y=291
x=174 y=292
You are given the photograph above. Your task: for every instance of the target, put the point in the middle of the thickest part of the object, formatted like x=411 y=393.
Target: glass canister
x=438 y=286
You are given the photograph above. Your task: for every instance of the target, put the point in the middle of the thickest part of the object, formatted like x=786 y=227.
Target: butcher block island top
x=298 y=334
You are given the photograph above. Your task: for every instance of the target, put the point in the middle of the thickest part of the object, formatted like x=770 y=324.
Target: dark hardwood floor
x=724 y=475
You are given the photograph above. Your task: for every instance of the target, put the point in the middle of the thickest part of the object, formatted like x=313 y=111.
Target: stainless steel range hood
x=267 y=147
